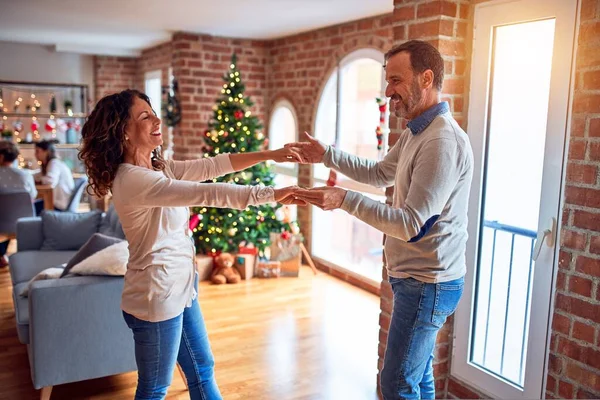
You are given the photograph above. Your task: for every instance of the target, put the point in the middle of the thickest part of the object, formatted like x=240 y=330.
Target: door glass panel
x=516 y=137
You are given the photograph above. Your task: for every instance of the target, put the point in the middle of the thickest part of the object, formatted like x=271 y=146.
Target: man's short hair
x=9 y=151
x=423 y=56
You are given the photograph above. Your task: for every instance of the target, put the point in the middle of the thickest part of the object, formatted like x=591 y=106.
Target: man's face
x=403 y=87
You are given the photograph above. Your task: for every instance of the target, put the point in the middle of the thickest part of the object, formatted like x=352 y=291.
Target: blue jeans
x=420 y=310
x=159 y=345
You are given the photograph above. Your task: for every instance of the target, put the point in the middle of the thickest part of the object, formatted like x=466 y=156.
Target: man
x=12 y=179
x=430 y=168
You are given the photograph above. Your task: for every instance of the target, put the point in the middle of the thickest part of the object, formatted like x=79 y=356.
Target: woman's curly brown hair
x=103 y=140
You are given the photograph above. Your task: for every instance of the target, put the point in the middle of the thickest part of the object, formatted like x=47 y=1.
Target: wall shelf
x=39 y=115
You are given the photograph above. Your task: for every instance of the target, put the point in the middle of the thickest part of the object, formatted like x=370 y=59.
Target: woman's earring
x=126 y=137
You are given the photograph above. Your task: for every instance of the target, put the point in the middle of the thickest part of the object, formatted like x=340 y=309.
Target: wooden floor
x=314 y=337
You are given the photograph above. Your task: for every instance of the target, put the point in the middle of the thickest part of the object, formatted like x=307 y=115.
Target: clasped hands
x=326 y=198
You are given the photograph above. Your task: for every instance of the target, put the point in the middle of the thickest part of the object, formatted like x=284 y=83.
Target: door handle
x=546 y=235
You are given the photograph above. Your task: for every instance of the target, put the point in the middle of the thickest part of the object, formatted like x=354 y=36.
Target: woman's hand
x=286 y=196
x=286 y=154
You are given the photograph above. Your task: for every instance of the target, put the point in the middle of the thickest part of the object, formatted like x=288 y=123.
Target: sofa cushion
x=24 y=265
x=96 y=243
x=21 y=312
x=111 y=225
x=68 y=231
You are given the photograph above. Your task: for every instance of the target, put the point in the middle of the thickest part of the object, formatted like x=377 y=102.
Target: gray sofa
x=73 y=327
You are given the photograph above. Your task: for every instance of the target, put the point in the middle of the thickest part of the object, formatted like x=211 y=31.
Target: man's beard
x=405 y=108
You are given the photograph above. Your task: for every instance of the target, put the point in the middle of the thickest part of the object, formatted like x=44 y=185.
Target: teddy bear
x=224 y=271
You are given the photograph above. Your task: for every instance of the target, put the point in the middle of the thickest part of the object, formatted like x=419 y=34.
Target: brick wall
x=199 y=62
x=575 y=341
x=299 y=67
x=113 y=74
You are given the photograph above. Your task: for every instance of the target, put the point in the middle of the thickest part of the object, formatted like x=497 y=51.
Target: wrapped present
x=285 y=248
x=269 y=269
x=246 y=265
x=247 y=249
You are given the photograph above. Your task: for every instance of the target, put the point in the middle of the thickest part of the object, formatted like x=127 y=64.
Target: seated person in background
x=54 y=173
x=12 y=179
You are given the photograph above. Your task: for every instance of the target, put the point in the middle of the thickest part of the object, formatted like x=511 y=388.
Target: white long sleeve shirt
x=59 y=176
x=153 y=209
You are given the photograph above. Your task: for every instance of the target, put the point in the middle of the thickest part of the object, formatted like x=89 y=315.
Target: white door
x=519 y=99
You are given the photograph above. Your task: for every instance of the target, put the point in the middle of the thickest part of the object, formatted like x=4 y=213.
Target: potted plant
x=68 y=107
x=7 y=135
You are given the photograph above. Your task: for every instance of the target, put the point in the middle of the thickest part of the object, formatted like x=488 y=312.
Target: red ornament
x=239 y=114
x=35 y=125
x=285 y=235
x=332 y=180
x=194 y=221
x=50 y=125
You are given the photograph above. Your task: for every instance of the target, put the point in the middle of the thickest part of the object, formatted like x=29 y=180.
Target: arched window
x=283 y=128
x=347 y=117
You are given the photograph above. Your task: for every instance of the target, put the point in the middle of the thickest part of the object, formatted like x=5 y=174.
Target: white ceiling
x=124 y=27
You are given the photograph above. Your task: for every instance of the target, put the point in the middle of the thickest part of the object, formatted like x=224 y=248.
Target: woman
x=55 y=173
x=121 y=150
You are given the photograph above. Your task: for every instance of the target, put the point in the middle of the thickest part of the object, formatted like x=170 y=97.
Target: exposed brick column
x=575 y=345
x=114 y=74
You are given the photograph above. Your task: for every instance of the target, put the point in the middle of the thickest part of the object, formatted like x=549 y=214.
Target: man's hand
x=311 y=152
x=326 y=198
x=287 y=196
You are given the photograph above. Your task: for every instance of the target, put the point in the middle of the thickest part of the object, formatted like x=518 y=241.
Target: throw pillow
x=109 y=261
x=96 y=243
x=68 y=231
x=48 y=273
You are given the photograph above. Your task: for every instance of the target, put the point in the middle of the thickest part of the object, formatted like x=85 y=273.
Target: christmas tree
x=233 y=129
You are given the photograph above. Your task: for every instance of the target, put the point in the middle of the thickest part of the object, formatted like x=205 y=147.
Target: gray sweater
x=426 y=225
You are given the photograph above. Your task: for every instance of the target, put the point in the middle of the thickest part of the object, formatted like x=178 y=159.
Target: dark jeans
x=4 y=247
x=38 y=204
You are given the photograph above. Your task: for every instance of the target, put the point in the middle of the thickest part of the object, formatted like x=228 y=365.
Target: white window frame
x=461 y=367
x=343 y=181
x=151 y=75
x=287 y=169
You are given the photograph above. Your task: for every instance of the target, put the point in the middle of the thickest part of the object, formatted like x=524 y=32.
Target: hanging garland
x=172 y=109
x=382 y=103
